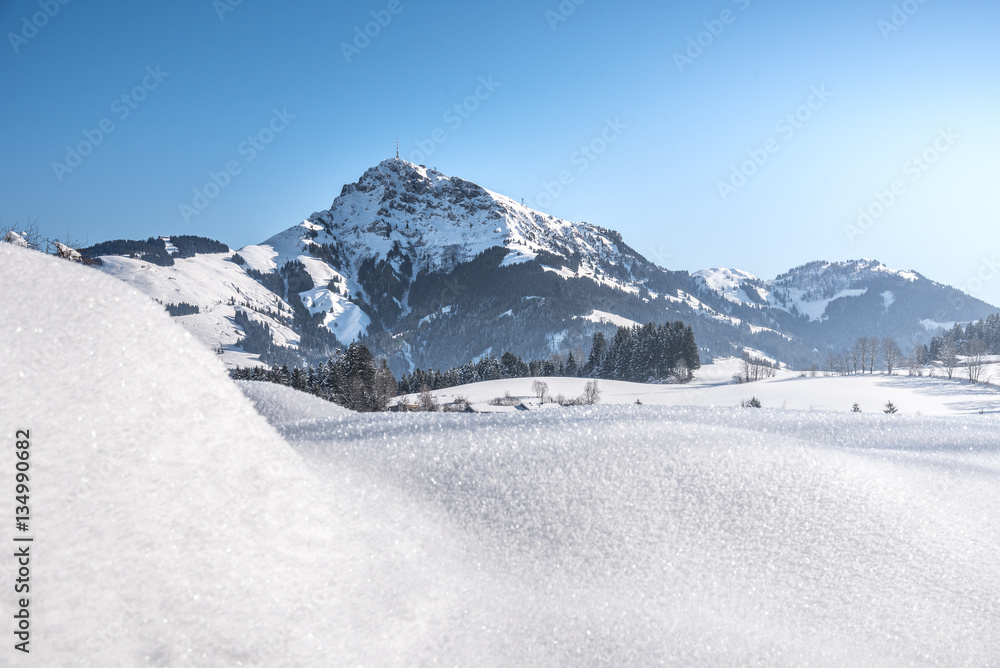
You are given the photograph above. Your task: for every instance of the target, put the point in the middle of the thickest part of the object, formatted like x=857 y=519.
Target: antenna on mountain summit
x=397 y=149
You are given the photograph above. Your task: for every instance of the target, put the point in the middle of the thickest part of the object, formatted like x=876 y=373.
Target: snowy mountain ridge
x=417 y=219
x=805 y=290
x=445 y=220
x=433 y=270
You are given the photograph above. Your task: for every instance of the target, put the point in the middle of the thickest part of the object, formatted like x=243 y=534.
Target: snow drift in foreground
x=175 y=526
x=635 y=535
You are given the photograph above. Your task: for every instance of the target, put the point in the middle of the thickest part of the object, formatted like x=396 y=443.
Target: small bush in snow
x=459 y=405
x=425 y=402
x=505 y=400
x=752 y=402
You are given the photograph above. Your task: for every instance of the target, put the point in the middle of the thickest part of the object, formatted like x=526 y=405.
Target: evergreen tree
x=597 y=349
x=571 y=369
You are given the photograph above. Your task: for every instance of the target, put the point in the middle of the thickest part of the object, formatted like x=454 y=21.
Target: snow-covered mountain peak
x=400 y=221
x=398 y=208
x=810 y=288
x=821 y=272
x=806 y=290
x=734 y=285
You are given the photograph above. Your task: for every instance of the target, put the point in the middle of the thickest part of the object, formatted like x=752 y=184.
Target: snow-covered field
x=180 y=521
x=793 y=390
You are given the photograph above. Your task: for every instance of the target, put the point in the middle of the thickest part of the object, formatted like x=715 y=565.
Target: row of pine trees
x=644 y=354
x=353 y=379
x=987 y=331
x=648 y=353
x=356 y=380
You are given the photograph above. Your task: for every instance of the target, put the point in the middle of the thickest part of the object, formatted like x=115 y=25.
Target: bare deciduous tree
x=975 y=358
x=949 y=355
x=28 y=231
x=874 y=351
x=425 y=402
x=859 y=355
x=753 y=369
x=891 y=354
x=540 y=388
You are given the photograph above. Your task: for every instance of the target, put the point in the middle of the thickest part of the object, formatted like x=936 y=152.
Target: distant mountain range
x=433 y=271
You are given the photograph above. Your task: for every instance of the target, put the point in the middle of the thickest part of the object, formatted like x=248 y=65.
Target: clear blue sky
x=673 y=129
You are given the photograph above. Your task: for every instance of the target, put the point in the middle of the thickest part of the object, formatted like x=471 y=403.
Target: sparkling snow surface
x=175 y=526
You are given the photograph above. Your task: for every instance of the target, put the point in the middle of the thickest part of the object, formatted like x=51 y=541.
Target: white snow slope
x=174 y=526
x=209 y=281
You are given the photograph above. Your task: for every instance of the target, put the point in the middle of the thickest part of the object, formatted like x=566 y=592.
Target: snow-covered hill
x=807 y=290
x=174 y=526
x=218 y=287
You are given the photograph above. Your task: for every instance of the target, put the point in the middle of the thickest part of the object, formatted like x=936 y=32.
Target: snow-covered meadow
x=182 y=519
x=713 y=386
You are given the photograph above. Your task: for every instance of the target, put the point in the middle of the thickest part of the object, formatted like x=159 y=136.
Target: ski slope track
x=181 y=521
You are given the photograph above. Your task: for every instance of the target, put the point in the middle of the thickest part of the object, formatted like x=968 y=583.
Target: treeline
x=183 y=308
x=154 y=249
x=966 y=347
x=488 y=367
x=987 y=331
x=645 y=354
x=872 y=352
x=189 y=245
x=648 y=353
x=354 y=379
